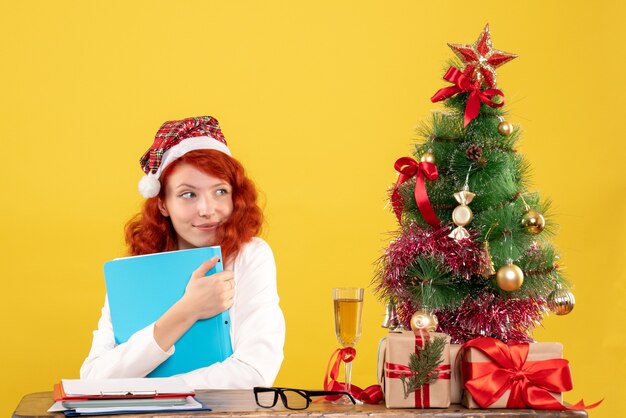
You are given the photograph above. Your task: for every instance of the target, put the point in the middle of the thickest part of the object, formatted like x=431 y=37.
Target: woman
x=197 y=196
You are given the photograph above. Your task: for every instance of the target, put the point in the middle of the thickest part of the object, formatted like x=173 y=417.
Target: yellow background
x=317 y=99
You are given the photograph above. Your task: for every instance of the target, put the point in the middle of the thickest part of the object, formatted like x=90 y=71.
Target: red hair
x=150 y=232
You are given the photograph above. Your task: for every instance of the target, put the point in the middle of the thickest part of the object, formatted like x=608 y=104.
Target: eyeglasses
x=292 y=398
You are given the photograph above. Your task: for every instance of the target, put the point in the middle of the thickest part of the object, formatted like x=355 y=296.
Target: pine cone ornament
x=474 y=152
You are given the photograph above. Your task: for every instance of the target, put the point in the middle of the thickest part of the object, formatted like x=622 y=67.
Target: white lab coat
x=257 y=331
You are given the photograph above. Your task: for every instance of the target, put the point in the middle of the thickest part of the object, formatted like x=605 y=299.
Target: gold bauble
x=428 y=157
x=462 y=215
x=424 y=321
x=505 y=128
x=561 y=301
x=509 y=277
x=533 y=221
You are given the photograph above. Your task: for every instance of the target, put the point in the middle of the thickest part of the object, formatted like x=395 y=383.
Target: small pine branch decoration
x=423 y=365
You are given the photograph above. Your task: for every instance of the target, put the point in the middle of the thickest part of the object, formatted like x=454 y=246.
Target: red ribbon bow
x=462 y=84
x=408 y=167
x=529 y=382
x=372 y=394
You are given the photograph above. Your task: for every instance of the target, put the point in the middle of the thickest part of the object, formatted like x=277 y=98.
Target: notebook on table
x=86 y=397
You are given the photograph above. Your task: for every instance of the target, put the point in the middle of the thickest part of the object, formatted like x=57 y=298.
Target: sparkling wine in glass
x=348 y=304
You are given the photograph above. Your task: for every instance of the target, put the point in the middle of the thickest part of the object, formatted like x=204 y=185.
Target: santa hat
x=173 y=140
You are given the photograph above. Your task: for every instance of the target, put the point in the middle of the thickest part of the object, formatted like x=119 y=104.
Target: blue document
x=142 y=288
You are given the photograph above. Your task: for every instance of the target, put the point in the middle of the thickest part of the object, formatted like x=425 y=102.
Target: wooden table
x=240 y=403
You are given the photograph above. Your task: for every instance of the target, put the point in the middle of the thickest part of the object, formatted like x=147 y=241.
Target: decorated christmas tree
x=472 y=256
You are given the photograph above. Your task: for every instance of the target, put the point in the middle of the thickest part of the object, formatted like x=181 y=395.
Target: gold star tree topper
x=481 y=59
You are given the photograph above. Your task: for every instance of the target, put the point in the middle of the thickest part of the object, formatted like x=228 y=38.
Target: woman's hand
x=205 y=296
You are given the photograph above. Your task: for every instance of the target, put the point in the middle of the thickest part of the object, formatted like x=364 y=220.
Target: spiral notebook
x=141 y=288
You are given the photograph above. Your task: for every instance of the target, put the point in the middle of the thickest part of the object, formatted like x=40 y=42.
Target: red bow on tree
x=408 y=167
x=462 y=84
x=529 y=382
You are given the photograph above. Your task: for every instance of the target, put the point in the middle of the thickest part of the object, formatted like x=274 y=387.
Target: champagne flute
x=348 y=305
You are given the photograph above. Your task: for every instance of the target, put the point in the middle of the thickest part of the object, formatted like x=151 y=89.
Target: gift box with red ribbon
x=456 y=384
x=499 y=375
x=394 y=372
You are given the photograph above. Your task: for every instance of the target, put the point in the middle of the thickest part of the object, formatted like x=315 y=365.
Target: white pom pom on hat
x=149 y=186
x=173 y=140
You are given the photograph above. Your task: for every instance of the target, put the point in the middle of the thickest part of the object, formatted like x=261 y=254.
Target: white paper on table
x=57 y=407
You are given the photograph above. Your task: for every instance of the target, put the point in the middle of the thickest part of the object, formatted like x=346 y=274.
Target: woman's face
x=197 y=204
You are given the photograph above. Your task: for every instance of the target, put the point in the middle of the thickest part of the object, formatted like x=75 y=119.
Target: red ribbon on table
x=408 y=167
x=529 y=382
x=372 y=394
x=463 y=84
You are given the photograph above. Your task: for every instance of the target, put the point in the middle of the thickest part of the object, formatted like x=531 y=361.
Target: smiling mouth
x=207 y=227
